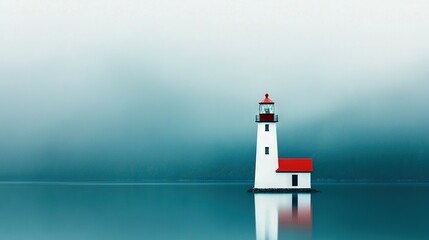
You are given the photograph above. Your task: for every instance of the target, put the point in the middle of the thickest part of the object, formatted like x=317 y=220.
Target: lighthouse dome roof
x=266 y=100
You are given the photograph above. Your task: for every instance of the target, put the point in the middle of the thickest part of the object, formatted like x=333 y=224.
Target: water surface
x=212 y=211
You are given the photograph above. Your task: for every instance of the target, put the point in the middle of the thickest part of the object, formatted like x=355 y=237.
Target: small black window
x=294 y=180
x=267 y=150
x=267 y=127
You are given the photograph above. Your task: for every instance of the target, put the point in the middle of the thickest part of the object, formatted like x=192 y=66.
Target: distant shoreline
x=205 y=182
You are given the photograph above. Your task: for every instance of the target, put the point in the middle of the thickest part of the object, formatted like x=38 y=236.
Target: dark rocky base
x=282 y=190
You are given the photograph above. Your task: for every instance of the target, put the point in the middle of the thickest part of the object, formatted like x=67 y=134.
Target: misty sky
x=159 y=90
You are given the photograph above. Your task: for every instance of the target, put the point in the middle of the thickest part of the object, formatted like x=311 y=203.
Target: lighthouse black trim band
x=266 y=118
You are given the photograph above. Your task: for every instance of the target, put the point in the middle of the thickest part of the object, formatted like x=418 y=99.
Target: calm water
x=371 y=211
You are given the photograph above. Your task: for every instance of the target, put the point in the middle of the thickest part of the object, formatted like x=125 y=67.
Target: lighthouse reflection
x=282 y=216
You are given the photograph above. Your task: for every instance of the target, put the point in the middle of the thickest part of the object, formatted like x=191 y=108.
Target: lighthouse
x=274 y=174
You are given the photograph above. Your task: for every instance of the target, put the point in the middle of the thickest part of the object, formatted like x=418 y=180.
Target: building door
x=294 y=180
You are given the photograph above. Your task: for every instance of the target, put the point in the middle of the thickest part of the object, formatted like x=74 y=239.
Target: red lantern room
x=266 y=110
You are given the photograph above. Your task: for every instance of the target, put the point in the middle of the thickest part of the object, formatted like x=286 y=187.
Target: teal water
x=212 y=211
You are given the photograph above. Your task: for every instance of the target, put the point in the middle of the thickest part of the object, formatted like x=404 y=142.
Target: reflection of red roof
x=303 y=219
x=295 y=165
x=266 y=99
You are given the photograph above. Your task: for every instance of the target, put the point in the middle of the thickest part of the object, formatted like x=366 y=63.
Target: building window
x=294 y=180
x=267 y=127
x=267 y=150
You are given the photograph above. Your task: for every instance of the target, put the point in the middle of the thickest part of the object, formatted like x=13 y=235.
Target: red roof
x=295 y=165
x=266 y=99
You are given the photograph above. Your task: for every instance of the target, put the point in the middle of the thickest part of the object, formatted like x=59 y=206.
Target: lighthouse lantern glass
x=266 y=108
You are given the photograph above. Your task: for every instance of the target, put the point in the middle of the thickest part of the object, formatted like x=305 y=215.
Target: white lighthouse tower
x=266 y=145
x=274 y=174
